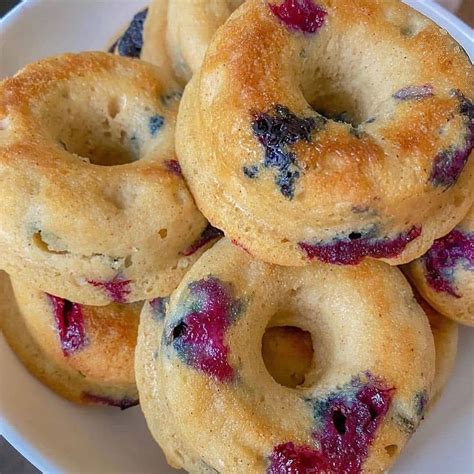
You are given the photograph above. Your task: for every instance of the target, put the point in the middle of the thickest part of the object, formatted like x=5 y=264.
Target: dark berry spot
x=355 y=235
x=131 y=43
x=117 y=290
x=351 y=251
x=251 y=171
x=199 y=338
x=174 y=167
x=277 y=130
x=449 y=163
x=156 y=122
x=347 y=421
x=444 y=255
x=69 y=323
x=300 y=15
x=209 y=234
x=179 y=330
x=414 y=92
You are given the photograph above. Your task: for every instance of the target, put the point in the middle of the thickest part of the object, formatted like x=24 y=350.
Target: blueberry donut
x=445 y=274
x=302 y=142
x=445 y=335
x=84 y=353
x=368 y=383
x=94 y=206
x=178 y=32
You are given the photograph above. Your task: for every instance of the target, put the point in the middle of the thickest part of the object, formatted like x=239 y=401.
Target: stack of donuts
x=275 y=199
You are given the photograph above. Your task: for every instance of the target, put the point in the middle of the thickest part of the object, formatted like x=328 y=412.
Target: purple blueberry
x=444 y=255
x=131 y=42
x=300 y=15
x=352 y=249
x=69 y=323
x=198 y=336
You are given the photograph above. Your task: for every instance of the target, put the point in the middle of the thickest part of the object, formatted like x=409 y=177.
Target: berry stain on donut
x=449 y=163
x=353 y=248
x=69 y=323
x=414 y=93
x=155 y=123
x=131 y=42
x=294 y=459
x=174 y=167
x=444 y=256
x=209 y=234
x=346 y=423
x=123 y=403
x=199 y=335
x=158 y=308
x=277 y=130
x=117 y=289
x=300 y=15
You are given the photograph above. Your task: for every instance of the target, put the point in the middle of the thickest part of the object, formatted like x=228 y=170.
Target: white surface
x=58 y=436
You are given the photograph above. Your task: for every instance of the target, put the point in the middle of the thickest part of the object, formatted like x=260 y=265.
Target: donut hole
x=90 y=125
x=287 y=353
x=391 y=450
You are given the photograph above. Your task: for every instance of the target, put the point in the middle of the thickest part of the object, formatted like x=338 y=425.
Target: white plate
x=58 y=436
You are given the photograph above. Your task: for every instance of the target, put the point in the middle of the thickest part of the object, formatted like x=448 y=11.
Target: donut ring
x=445 y=274
x=380 y=171
x=88 y=233
x=83 y=353
x=178 y=32
x=445 y=335
x=202 y=366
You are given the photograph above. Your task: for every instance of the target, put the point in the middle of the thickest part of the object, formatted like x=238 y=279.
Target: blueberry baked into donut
x=83 y=353
x=199 y=360
x=330 y=131
x=445 y=274
x=94 y=206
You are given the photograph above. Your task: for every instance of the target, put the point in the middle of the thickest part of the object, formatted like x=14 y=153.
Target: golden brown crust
x=68 y=217
x=377 y=176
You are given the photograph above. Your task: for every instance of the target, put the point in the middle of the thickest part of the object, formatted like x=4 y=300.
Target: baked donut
x=445 y=274
x=201 y=365
x=178 y=32
x=94 y=206
x=445 y=335
x=131 y=42
x=302 y=142
x=83 y=353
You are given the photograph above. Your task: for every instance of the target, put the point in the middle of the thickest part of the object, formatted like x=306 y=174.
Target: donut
x=94 y=205
x=83 y=353
x=131 y=42
x=178 y=32
x=330 y=130
x=445 y=335
x=445 y=274
x=199 y=367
